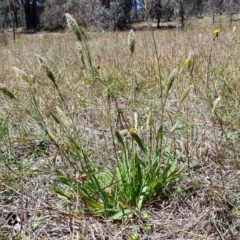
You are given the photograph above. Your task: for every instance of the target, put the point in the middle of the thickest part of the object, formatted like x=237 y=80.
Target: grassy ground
x=183 y=83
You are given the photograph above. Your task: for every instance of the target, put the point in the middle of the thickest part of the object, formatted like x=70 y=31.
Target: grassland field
x=71 y=111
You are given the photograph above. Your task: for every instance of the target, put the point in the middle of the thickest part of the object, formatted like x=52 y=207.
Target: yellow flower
x=216 y=32
x=186 y=61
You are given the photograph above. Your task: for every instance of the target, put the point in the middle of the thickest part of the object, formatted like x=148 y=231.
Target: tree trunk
x=231 y=18
x=15 y=15
x=135 y=4
x=12 y=20
x=31 y=16
x=181 y=13
x=158 y=23
x=106 y=3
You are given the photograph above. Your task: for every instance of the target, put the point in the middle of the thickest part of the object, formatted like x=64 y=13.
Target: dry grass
x=208 y=140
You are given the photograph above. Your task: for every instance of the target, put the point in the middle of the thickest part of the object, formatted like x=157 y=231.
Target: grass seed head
x=135 y=120
x=172 y=78
x=185 y=94
x=215 y=104
x=79 y=32
x=21 y=74
x=131 y=41
x=46 y=69
x=149 y=121
x=80 y=52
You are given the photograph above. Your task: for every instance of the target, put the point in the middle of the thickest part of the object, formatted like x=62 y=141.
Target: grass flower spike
x=189 y=60
x=215 y=104
x=21 y=74
x=46 y=69
x=234 y=29
x=131 y=41
x=43 y=64
x=79 y=32
x=80 y=52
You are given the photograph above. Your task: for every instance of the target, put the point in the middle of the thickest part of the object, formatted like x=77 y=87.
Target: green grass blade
x=121 y=214
x=138 y=140
x=119 y=138
x=7 y=92
x=61 y=192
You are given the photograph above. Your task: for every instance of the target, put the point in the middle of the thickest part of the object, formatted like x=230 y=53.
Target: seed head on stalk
x=131 y=41
x=79 y=32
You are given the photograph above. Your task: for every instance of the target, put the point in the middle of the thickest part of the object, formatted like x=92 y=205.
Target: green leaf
x=147 y=228
x=119 y=137
x=7 y=92
x=60 y=192
x=133 y=236
x=144 y=215
x=121 y=214
x=138 y=140
x=92 y=202
x=160 y=133
x=35 y=224
x=55 y=118
x=176 y=126
x=141 y=198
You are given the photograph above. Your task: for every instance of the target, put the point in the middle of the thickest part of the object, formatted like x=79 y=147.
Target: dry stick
x=111 y=128
x=21 y=193
x=187 y=140
x=192 y=67
x=208 y=69
x=218 y=231
x=216 y=115
x=181 y=230
x=161 y=92
x=120 y=115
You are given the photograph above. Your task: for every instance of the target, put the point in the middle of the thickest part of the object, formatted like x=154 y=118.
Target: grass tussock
x=120 y=135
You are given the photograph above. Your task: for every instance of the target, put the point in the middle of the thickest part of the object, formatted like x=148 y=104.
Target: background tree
x=117 y=16
x=15 y=8
x=156 y=11
x=81 y=10
x=5 y=19
x=8 y=7
x=213 y=7
x=31 y=13
x=231 y=7
x=109 y=14
x=105 y=3
x=52 y=16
